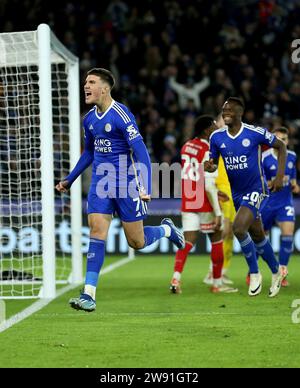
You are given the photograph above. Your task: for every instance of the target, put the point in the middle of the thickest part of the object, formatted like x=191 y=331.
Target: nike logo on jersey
x=223 y=146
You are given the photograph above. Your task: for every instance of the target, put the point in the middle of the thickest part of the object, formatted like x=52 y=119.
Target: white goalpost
x=40 y=230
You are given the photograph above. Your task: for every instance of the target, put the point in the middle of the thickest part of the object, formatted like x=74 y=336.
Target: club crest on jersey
x=246 y=142
x=107 y=127
x=290 y=164
x=133 y=132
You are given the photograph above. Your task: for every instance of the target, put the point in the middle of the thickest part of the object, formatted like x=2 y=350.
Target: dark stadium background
x=234 y=48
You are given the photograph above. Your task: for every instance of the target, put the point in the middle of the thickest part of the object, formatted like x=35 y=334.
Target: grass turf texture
x=138 y=323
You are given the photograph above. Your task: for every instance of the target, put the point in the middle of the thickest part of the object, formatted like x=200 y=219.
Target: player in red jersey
x=200 y=214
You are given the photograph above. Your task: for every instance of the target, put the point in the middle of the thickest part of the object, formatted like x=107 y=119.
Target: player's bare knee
x=239 y=231
x=96 y=232
x=257 y=236
x=136 y=244
x=257 y=232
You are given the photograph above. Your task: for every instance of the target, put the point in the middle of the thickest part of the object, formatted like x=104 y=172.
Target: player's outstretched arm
x=223 y=197
x=142 y=155
x=145 y=197
x=212 y=194
x=295 y=186
x=84 y=161
x=277 y=183
x=62 y=186
x=210 y=165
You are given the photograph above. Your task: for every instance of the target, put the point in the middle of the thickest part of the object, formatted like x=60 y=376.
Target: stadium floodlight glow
x=39 y=144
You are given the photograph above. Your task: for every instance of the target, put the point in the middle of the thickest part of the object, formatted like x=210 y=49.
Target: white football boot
x=276 y=282
x=208 y=279
x=255 y=284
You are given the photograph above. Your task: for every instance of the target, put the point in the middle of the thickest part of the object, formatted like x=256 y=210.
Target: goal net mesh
x=21 y=264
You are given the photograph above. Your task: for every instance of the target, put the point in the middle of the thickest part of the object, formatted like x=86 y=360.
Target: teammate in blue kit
x=280 y=207
x=121 y=180
x=239 y=145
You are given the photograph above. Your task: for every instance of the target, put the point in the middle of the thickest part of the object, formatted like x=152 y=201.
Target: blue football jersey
x=270 y=165
x=111 y=135
x=242 y=157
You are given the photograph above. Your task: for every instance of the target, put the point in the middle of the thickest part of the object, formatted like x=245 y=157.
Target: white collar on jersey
x=238 y=134
x=104 y=113
x=273 y=153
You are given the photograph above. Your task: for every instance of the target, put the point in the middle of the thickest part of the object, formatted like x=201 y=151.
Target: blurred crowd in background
x=174 y=60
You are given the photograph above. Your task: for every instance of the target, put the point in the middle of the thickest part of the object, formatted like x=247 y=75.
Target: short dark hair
x=202 y=123
x=104 y=74
x=284 y=130
x=237 y=101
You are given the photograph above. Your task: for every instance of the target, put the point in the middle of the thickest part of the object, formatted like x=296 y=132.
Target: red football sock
x=181 y=256
x=217 y=258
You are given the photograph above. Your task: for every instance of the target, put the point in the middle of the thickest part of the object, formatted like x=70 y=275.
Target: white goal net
x=40 y=231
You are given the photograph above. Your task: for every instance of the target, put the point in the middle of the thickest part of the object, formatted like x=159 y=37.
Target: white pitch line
x=117 y=264
x=147 y=314
x=44 y=302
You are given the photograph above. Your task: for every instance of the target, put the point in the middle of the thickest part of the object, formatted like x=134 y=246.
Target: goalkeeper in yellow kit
x=228 y=211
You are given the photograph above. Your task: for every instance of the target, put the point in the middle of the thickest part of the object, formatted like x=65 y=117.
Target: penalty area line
x=44 y=302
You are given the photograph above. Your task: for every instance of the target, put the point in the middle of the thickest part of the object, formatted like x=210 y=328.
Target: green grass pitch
x=138 y=323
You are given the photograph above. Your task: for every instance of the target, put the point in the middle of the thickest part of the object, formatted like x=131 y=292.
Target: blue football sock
x=95 y=258
x=286 y=248
x=249 y=252
x=264 y=248
x=152 y=234
x=257 y=258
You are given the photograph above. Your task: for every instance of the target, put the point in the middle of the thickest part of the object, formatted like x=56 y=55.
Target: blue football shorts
x=271 y=215
x=255 y=201
x=129 y=209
